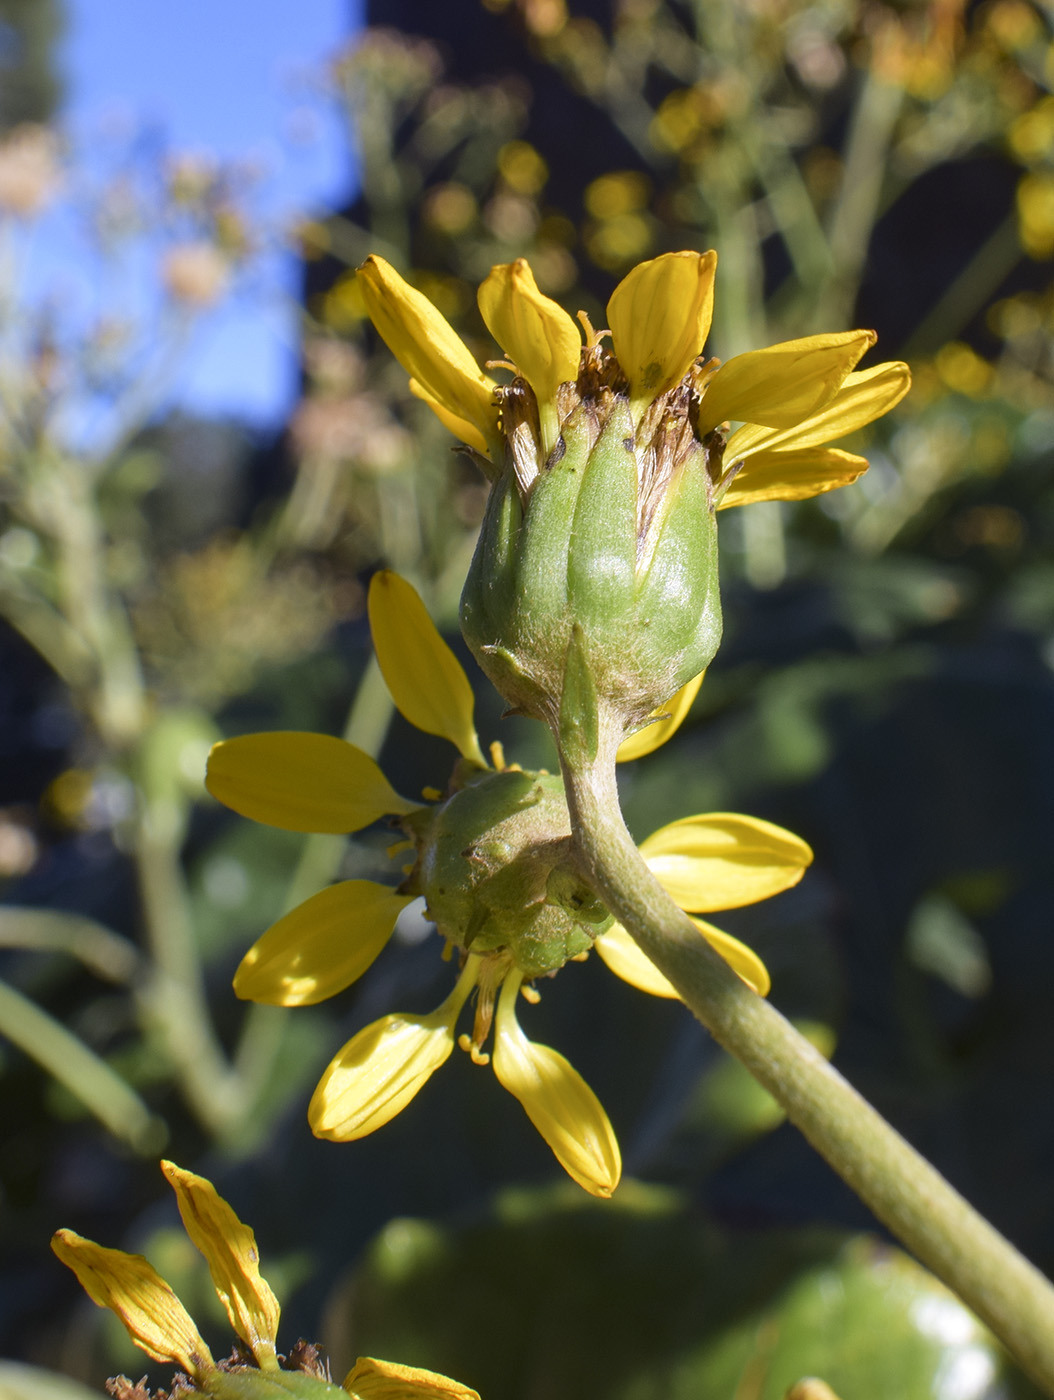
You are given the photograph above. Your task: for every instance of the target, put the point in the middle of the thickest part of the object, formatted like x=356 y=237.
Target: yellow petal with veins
x=460 y=427
x=321 y=946
x=381 y=1069
x=666 y=720
x=864 y=396
x=302 y=782
x=722 y=860
x=627 y=960
x=784 y=384
x=229 y=1247
x=370 y=1379
x=424 y=677
x=535 y=333
x=427 y=346
x=156 y=1320
x=558 y=1101
x=741 y=959
x=659 y=315
x=788 y=474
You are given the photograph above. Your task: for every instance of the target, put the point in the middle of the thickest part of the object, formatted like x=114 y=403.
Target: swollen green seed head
x=604 y=558
x=494 y=866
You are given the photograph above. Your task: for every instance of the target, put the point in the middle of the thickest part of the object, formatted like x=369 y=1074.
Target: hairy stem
x=899 y=1186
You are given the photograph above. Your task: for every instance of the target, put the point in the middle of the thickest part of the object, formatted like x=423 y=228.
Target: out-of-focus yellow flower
x=493 y=861
x=158 y=1323
x=1035 y=213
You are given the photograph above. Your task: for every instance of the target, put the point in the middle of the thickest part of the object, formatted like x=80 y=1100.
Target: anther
x=531 y=994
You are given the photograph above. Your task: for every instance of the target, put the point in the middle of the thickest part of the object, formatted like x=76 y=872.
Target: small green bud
x=494 y=866
x=603 y=562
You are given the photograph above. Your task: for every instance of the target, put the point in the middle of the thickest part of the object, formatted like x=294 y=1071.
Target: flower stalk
x=902 y=1189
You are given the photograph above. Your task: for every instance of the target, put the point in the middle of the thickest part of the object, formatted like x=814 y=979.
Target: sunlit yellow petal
x=659 y=315
x=301 y=782
x=423 y=675
x=229 y=1247
x=739 y=957
x=626 y=960
x=722 y=860
x=370 y=1379
x=784 y=384
x=156 y=1320
x=667 y=719
x=321 y=946
x=789 y=474
x=380 y=1070
x=865 y=395
x=460 y=427
x=537 y=335
x=558 y=1101
x=427 y=346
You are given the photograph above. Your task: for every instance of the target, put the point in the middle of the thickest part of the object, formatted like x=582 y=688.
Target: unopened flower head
x=159 y=1325
x=598 y=553
x=493 y=857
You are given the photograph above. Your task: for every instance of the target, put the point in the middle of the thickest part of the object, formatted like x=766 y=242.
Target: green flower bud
x=598 y=571
x=494 y=867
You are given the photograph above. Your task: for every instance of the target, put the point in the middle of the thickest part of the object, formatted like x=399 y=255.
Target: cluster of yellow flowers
x=607 y=467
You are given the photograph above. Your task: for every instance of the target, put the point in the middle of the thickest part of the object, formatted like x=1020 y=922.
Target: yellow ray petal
x=722 y=860
x=423 y=675
x=788 y=474
x=321 y=946
x=301 y=782
x=626 y=960
x=865 y=395
x=668 y=718
x=229 y=1247
x=558 y=1101
x=784 y=384
x=427 y=346
x=537 y=335
x=380 y=1070
x=460 y=427
x=370 y=1379
x=156 y=1320
x=740 y=958
x=659 y=315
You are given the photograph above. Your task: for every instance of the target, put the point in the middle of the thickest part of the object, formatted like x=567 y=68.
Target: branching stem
x=908 y=1195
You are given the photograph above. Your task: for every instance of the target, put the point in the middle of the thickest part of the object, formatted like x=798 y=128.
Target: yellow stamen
x=431 y=794
x=531 y=994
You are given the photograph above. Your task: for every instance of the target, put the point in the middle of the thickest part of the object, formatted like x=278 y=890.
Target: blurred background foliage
x=885 y=689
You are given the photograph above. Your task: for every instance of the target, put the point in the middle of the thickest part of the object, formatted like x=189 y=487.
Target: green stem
x=898 y=1185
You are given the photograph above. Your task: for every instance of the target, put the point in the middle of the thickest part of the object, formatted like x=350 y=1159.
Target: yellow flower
x=159 y=1324
x=793 y=396
x=493 y=862
x=595 y=574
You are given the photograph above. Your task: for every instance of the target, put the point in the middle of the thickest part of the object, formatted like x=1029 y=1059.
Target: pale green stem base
x=899 y=1186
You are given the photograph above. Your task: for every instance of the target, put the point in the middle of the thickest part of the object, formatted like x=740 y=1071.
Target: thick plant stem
x=900 y=1187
